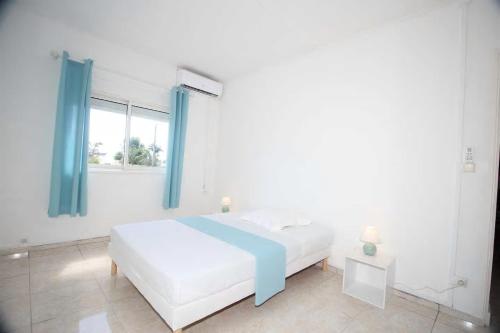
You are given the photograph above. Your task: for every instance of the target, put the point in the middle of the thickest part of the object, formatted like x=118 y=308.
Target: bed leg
x=324 y=265
x=114 y=268
x=179 y=330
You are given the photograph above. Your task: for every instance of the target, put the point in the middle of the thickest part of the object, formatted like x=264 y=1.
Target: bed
x=187 y=275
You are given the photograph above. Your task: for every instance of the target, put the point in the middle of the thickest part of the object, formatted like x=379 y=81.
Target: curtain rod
x=56 y=55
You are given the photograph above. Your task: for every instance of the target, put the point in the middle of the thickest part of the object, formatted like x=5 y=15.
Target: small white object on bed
x=187 y=275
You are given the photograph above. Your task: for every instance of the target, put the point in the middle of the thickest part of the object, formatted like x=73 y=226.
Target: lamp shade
x=226 y=201
x=370 y=235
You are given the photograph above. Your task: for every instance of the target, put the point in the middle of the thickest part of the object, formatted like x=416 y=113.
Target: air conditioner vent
x=198 y=83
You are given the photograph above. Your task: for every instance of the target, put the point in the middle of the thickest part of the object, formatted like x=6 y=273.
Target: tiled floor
x=69 y=289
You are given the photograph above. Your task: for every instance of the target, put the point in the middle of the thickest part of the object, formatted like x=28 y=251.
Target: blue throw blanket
x=270 y=257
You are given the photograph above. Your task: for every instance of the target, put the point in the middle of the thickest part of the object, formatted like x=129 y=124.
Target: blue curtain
x=68 y=187
x=179 y=98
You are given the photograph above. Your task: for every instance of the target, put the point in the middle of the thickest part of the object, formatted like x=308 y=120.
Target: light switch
x=469 y=165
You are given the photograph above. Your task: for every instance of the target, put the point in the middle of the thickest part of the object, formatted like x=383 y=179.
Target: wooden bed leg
x=324 y=265
x=179 y=330
x=114 y=268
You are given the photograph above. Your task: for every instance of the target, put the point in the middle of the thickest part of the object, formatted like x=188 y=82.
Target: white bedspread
x=183 y=264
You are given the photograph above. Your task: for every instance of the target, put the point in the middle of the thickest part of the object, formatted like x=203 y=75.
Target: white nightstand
x=366 y=278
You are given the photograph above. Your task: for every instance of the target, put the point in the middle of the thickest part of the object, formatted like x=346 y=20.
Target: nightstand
x=368 y=278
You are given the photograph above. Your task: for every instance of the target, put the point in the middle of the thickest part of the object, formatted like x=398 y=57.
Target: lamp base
x=225 y=209
x=369 y=249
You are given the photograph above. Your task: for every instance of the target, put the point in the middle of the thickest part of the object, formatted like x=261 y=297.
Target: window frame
x=126 y=167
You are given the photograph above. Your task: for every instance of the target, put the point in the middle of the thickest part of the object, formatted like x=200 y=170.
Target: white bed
x=187 y=275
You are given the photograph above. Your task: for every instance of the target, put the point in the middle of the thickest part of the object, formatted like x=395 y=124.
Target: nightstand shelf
x=367 y=278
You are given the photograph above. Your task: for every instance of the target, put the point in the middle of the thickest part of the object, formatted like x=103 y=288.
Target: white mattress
x=183 y=265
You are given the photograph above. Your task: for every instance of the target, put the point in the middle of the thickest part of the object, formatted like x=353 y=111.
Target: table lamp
x=370 y=238
x=225 y=202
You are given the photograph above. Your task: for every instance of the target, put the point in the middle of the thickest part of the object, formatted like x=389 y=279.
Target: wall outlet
x=459 y=282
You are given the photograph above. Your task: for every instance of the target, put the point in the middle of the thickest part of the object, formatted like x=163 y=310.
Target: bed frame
x=180 y=316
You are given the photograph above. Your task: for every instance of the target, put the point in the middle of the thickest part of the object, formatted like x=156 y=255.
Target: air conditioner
x=198 y=83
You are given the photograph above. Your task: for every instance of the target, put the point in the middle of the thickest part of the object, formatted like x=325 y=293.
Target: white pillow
x=274 y=219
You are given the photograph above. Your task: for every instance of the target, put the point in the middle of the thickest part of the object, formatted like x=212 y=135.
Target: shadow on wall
x=3 y=324
x=3 y=10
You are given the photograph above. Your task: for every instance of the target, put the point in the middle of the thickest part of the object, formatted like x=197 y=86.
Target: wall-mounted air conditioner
x=198 y=83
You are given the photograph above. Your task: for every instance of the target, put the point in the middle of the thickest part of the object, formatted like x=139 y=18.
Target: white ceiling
x=225 y=38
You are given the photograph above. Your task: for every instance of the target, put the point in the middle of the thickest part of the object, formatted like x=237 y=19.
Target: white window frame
x=126 y=167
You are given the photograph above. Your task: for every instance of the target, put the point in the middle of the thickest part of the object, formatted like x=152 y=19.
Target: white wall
x=480 y=125
x=28 y=94
x=367 y=131
x=362 y=132
x=372 y=131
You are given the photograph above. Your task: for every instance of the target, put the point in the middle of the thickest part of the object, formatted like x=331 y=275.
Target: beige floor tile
x=242 y=317
x=415 y=299
x=157 y=326
x=114 y=281
x=358 y=326
x=117 y=287
x=64 y=262
x=52 y=304
x=457 y=323
x=321 y=319
x=58 y=279
x=95 y=259
x=94 y=250
x=399 y=302
x=441 y=328
x=299 y=308
x=100 y=321
x=207 y=326
x=309 y=278
x=16 y=313
x=35 y=253
x=139 y=320
x=14 y=287
x=14 y=255
x=99 y=266
x=390 y=320
x=289 y=303
x=5 y=252
x=76 y=288
x=23 y=329
x=294 y=310
x=13 y=267
x=328 y=284
x=129 y=305
x=329 y=293
x=72 y=291
x=457 y=314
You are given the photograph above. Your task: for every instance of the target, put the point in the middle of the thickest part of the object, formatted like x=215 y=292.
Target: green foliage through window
x=94 y=154
x=139 y=154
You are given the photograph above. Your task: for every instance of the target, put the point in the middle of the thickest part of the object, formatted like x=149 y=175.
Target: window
x=106 y=131
x=148 y=137
x=112 y=124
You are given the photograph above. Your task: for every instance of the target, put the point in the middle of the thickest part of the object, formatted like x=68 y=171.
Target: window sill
x=156 y=171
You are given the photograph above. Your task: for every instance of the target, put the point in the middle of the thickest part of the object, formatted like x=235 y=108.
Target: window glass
x=148 y=137
x=106 y=132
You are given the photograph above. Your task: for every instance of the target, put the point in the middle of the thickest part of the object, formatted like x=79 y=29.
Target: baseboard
x=464 y=316
x=8 y=251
